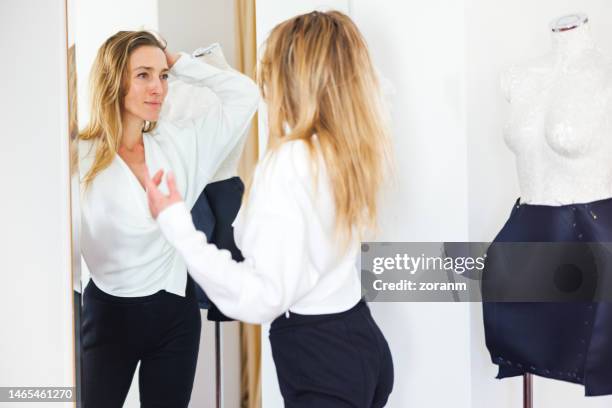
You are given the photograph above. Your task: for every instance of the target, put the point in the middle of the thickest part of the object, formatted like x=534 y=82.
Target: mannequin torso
x=560 y=125
x=560 y=130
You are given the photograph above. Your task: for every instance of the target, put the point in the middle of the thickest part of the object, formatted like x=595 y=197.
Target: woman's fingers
x=157 y=200
x=171 y=58
x=148 y=183
x=157 y=178
x=174 y=194
x=154 y=196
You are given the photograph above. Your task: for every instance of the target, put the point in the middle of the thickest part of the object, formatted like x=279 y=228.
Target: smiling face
x=146 y=84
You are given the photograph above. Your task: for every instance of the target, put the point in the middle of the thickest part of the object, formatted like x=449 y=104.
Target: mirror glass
x=135 y=343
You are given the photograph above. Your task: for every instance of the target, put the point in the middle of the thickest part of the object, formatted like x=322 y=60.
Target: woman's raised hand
x=171 y=58
x=157 y=200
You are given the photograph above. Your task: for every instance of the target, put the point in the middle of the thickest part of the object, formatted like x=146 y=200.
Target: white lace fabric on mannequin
x=560 y=125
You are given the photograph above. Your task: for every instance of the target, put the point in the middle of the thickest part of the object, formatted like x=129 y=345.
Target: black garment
x=213 y=213
x=162 y=331
x=333 y=360
x=203 y=220
x=569 y=340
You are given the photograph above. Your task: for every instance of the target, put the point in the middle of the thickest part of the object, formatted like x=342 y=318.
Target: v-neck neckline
x=127 y=168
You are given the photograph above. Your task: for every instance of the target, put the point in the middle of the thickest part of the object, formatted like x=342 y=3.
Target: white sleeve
x=79 y=282
x=276 y=271
x=224 y=122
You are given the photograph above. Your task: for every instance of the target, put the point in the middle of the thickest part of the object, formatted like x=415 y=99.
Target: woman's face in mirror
x=147 y=83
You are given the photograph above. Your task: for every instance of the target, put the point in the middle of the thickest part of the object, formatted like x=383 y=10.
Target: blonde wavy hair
x=316 y=77
x=108 y=84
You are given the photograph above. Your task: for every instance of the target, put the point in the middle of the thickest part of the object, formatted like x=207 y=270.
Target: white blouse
x=285 y=232
x=122 y=245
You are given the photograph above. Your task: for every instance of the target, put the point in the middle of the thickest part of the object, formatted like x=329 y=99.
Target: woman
x=312 y=199
x=140 y=305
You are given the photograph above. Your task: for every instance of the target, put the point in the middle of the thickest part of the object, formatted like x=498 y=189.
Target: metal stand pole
x=527 y=390
x=218 y=370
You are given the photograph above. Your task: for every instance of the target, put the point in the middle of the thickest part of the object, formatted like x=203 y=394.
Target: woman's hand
x=171 y=58
x=157 y=200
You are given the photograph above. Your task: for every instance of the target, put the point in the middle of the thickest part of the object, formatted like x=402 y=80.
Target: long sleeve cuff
x=197 y=72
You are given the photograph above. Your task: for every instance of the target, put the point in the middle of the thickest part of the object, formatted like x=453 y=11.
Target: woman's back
x=291 y=188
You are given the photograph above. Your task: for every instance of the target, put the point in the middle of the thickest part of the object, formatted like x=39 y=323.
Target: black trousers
x=162 y=331
x=335 y=360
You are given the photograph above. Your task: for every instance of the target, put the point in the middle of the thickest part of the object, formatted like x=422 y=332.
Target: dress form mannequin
x=561 y=119
x=560 y=130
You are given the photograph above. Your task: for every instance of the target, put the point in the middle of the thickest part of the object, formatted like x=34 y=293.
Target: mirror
x=146 y=336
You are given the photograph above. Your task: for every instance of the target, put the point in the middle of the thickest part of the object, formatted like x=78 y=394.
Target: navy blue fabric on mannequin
x=213 y=214
x=569 y=341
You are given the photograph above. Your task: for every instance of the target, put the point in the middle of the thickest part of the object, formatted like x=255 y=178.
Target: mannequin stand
x=218 y=374
x=527 y=390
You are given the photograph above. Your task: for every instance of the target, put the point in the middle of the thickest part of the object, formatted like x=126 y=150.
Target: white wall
x=419 y=46
x=190 y=24
x=499 y=34
x=36 y=311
